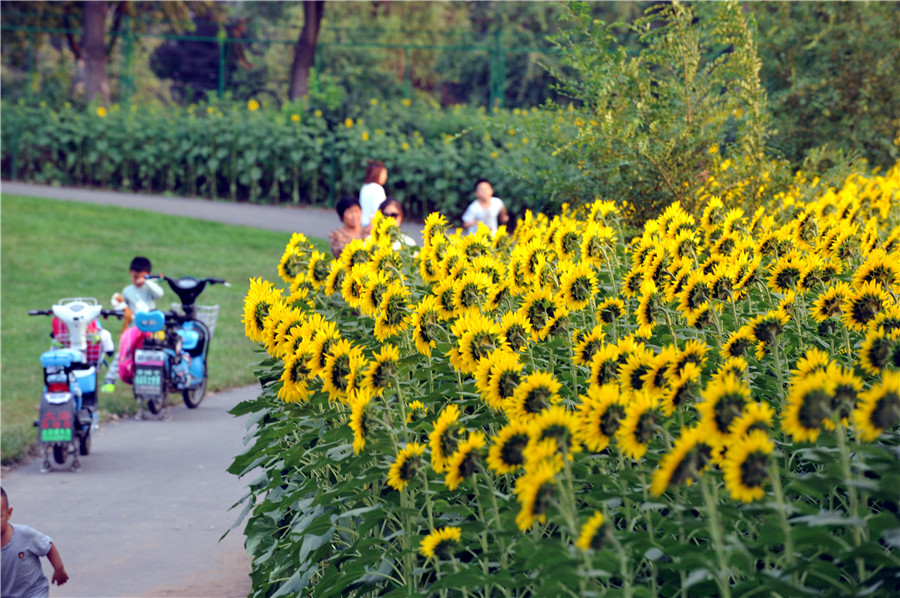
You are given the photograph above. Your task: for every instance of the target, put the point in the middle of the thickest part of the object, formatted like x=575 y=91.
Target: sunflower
x=738 y=343
x=649 y=308
x=278 y=313
x=689 y=457
x=747 y=271
x=814 y=360
x=341 y=371
x=880 y=267
x=360 y=419
x=435 y=223
x=471 y=290
x=394 y=314
x=632 y=373
x=506 y=454
x=441 y=543
x=595 y=239
x=656 y=378
x=479 y=336
x=504 y=378
x=694 y=294
x=535 y=491
x=593 y=533
x=294 y=259
x=568 y=240
x=809 y=407
x=736 y=366
x=879 y=408
x=373 y=291
x=879 y=350
x=443 y=439
x=318 y=269
x=538 y=391
x=610 y=310
x=588 y=346
x=426 y=325
x=356 y=252
x=383 y=369
x=559 y=424
x=694 y=351
x=259 y=300
x=766 y=327
x=642 y=422
x=724 y=400
x=683 y=389
x=516 y=329
x=847 y=388
x=755 y=416
x=406 y=466
x=861 y=307
x=385 y=259
x=631 y=284
x=578 y=285
x=288 y=321
x=446 y=305
x=601 y=412
x=829 y=301
x=321 y=344
x=888 y=320
x=746 y=464
x=464 y=461
x=541 y=311
x=605 y=366
x=335 y=279
x=295 y=379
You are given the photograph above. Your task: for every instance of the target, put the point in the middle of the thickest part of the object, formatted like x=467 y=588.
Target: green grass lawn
x=53 y=249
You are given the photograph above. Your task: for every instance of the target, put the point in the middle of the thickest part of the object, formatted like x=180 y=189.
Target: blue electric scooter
x=173 y=356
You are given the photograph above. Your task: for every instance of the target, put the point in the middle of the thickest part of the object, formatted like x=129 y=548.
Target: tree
x=101 y=24
x=831 y=70
x=305 y=50
x=646 y=121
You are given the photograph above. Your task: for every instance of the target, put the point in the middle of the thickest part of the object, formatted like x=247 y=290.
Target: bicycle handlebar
x=40 y=312
x=103 y=312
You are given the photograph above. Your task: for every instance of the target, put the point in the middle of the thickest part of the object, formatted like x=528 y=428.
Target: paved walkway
x=314 y=222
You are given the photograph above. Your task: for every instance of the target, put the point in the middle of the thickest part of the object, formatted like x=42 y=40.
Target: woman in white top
x=372 y=193
x=486 y=208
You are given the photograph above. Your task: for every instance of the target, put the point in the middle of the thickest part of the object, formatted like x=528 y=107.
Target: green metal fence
x=123 y=65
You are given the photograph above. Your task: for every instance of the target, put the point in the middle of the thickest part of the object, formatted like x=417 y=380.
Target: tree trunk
x=305 y=50
x=95 y=75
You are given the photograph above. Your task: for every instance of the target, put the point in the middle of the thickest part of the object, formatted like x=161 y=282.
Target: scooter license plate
x=57 y=423
x=148 y=380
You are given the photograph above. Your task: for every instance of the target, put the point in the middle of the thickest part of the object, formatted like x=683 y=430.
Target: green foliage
x=54 y=249
x=244 y=151
x=647 y=120
x=832 y=76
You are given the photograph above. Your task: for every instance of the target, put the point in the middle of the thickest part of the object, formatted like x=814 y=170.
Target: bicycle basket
x=208 y=314
x=93 y=354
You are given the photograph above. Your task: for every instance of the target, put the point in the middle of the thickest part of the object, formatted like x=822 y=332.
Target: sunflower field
x=708 y=406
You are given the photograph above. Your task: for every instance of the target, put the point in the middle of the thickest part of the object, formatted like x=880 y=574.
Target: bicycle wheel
x=193 y=397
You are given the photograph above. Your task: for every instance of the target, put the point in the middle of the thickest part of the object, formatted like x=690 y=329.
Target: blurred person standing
x=486 y=209
x=372 y=194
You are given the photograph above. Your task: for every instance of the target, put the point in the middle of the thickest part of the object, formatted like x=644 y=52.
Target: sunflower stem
x=406 y=541
x=851 y=491
x=779 y=373
x=775 y=476
x=715 y=530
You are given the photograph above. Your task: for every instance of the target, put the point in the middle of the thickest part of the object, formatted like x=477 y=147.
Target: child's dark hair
x=478 y=182
x=3 y=494
x=140 y=264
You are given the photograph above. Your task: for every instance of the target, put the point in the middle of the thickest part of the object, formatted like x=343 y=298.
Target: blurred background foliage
x=633 y=96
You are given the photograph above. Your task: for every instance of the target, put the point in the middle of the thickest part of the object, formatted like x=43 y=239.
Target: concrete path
x=314 y=222
x=144 y=515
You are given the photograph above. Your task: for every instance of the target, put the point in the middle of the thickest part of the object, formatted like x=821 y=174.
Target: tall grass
x=53 y=249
